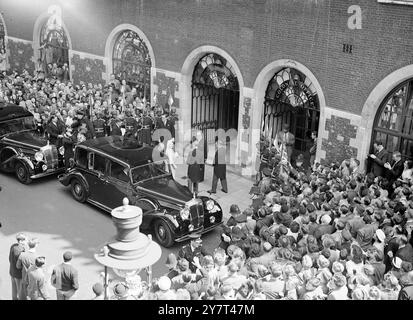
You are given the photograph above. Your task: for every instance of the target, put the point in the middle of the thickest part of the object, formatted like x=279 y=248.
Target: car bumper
x=200 y=230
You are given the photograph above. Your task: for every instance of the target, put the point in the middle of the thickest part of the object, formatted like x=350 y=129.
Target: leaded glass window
x=291 y=98
x=394 y=120
x=214 y=70
x=132 y=62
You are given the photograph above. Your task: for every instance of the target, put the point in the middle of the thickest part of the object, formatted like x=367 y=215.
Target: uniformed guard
x=131 y=125
x=146 y=131
x=192 y=250
x=100 y=125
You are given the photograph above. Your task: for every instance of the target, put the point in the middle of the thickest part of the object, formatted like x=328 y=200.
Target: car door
x=97 y=178
x=119 y=185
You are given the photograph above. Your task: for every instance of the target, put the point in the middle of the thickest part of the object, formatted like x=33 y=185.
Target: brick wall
x=20 y=55
x=87 y=69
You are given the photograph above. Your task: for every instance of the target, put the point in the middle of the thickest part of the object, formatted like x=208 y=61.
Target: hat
x=164 y=283
x=337 y=267
x=98 y=288
x=380 y=235
x=171 y=261
x=267 y=246
x=397 y=262
x=67 y=256
x=21 y=237
x=120 y=290
x=266 y=171
x=194 y=236
x=325 y=219
x=234 y=209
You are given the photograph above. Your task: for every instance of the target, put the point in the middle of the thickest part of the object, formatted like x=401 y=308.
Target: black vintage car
x=106 y=170
x=22 y=149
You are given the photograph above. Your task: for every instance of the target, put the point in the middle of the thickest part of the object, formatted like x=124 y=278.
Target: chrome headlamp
x=210 y=204
x=184 y=213
x=38 y=156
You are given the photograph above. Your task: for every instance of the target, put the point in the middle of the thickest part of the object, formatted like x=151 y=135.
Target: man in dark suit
x=192 y=250
x=55 y=130
x=394 y=170
x=15 y=273
x=379 y=158
x=220 y=168
x=65 y=278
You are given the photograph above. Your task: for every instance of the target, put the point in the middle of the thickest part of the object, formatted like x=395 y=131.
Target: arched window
x=54 y=45
x=215 y=96
x=394 y=120
x=132 y=62
x=291 y=98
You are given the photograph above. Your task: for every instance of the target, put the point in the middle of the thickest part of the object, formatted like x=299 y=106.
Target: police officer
x=131 y=125
x=146 y=131
x=100 y=125
x=116 y=126
x=192 y=250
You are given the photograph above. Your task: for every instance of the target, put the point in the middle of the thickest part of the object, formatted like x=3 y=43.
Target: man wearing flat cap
x=192 y=250
x=65 y=278
x=36 y=279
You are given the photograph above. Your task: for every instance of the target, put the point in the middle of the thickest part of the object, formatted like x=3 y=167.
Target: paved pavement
x=46 y=210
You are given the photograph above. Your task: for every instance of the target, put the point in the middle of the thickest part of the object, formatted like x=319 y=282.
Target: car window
x=97 y=163
x=118 y=171
x=81 y=157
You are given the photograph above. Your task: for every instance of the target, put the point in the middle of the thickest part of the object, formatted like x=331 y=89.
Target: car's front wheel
x=22 y=173
x=163 y=233
x=78 y=190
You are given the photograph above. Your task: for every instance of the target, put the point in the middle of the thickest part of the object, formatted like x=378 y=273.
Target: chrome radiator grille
x=196 y=210
x=50 y=156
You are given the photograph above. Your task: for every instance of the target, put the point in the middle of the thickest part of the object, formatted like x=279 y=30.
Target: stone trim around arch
x=260 y=86
x=375 y=99
x=184 y=131
x=36 y=33
x=6 y=38
x=110 y=42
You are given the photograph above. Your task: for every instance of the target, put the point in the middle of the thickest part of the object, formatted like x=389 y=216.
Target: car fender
x=26 y=161
x=66 y=179
x=168 y=218
x=10 y=159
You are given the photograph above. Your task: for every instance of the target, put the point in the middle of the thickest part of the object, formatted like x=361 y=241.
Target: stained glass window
x=394 y=120
x=291 y=98
x=216 y=71
x=132 y=62
x=54 y=45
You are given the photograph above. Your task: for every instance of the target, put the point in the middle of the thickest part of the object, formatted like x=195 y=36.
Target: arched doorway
x=393 y=124
x=54 y=45
x=215 y=96
x=291 y=98
x=131 y=61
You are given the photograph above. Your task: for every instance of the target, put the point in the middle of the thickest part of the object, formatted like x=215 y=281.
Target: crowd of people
x=68 y=114
x=327 y=232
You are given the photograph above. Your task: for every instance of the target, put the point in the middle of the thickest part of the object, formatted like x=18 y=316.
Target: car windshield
x=148 y=171
x=16 y=125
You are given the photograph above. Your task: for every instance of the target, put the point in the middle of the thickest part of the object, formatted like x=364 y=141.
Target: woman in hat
x=390 y=287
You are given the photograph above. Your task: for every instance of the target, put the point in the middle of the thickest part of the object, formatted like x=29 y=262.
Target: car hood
x=166 y=189
x=27 y=139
